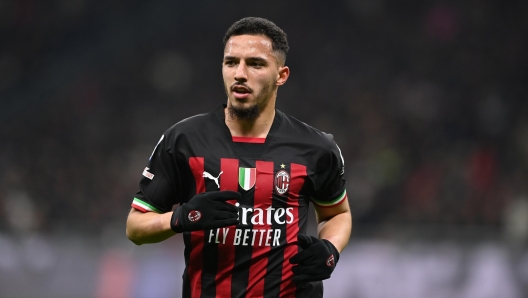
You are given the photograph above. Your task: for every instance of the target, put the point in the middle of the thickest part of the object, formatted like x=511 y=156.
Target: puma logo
x=207 y=175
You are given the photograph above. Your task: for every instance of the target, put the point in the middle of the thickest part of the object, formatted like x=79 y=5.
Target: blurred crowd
x=427 y=101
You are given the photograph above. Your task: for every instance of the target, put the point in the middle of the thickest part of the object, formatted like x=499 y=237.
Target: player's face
x=251 y=72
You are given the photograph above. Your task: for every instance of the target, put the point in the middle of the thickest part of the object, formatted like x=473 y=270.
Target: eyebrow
x=249 y=58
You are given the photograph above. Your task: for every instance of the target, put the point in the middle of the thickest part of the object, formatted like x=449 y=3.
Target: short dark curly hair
x=260 y=26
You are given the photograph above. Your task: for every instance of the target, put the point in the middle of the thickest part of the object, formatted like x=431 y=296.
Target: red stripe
x=139 y=208
x=197 y=238
x=297 y=177
x=226 y=252
x=252 y=177
x=249 y=140
x=259 y=257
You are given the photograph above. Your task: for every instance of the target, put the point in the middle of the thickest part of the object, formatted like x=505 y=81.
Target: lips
x=240 y=92
x=240 y=89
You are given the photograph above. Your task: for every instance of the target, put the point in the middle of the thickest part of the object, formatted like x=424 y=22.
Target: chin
x=243 y=111
x=241 y=104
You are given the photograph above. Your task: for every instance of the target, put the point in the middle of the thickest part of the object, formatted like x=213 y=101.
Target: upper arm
x=335 y=224
x=325 y=213
x=330 y=196
x=148 y=227
x=157 y=185
x=134 y=212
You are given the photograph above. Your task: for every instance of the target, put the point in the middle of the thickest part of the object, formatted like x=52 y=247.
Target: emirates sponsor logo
x=268 y=216
x=282 y=182
x=260 y=220
x=194 y=215
x=246 y=237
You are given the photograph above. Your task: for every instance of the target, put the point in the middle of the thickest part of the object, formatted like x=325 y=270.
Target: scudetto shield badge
x=282 y=182
x=247 y=177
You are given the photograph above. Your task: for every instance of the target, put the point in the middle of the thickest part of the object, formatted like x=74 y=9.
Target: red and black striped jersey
x=277 y=176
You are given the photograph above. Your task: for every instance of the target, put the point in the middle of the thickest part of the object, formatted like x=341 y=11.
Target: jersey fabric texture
x=277 y=177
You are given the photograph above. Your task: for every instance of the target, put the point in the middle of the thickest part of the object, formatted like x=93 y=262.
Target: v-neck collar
x=252 y=147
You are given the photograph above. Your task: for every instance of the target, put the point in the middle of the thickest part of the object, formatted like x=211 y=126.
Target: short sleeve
x=156 y=187
x=330 y=184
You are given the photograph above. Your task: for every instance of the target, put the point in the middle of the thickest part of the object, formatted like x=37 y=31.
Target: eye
x=256 y=64
x=229 y=63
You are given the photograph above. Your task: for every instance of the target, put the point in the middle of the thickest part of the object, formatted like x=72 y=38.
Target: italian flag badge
x=246 y=177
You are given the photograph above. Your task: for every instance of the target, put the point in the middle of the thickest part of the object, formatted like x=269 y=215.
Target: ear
x=282 y=76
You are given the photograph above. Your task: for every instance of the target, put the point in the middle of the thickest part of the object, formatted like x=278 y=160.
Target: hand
x=316 y=261
x=207 y=210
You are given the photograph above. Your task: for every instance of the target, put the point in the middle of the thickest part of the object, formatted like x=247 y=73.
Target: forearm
x=148 y=227
x=336 y=229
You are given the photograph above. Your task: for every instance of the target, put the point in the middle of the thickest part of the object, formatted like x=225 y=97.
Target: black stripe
x=210 y=267
x=186 y=285
x=272 y=282
x=241 y=275
x=210 y=250
x=243 y=253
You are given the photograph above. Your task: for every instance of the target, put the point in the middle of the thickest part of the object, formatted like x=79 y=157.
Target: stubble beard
x=250 y=113
x=246 y=114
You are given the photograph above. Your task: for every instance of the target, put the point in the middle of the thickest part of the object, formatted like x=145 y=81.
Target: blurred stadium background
x=427 y=100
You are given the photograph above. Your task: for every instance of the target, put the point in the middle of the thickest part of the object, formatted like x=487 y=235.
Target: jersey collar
x=250 y=147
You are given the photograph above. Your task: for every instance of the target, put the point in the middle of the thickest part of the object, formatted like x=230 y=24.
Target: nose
x=241 y=72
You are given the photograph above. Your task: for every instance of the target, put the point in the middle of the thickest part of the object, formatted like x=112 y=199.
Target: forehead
x=241 y=45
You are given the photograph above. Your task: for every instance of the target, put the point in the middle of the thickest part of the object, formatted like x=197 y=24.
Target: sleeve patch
x=142 y=206
x=148 y=174
x=341 y=198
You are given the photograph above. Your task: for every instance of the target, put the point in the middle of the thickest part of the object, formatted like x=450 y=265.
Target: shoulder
x=302 y=132
x=196 y=128
x=194 y=124
x=190 y=124
x=319 y=145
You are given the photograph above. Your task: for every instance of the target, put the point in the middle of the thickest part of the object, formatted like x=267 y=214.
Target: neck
x=254 y=128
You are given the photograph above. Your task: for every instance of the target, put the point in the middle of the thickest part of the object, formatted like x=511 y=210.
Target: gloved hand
x=316 y=261
x=207 y=210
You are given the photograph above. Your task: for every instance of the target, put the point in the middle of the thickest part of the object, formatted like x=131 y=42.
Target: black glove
x=207 y=210
x=316 y=261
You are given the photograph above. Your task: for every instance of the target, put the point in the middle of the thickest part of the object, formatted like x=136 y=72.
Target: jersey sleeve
x=156 y=187
x=329 y=178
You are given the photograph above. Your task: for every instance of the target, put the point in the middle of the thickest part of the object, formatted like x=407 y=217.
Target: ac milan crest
x=194 y=215
x=330 y=262
x=282 y=182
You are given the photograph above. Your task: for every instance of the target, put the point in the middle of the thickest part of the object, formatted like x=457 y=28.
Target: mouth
x=240 y=91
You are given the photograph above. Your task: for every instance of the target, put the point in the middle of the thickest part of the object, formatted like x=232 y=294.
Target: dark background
x=426 y=99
